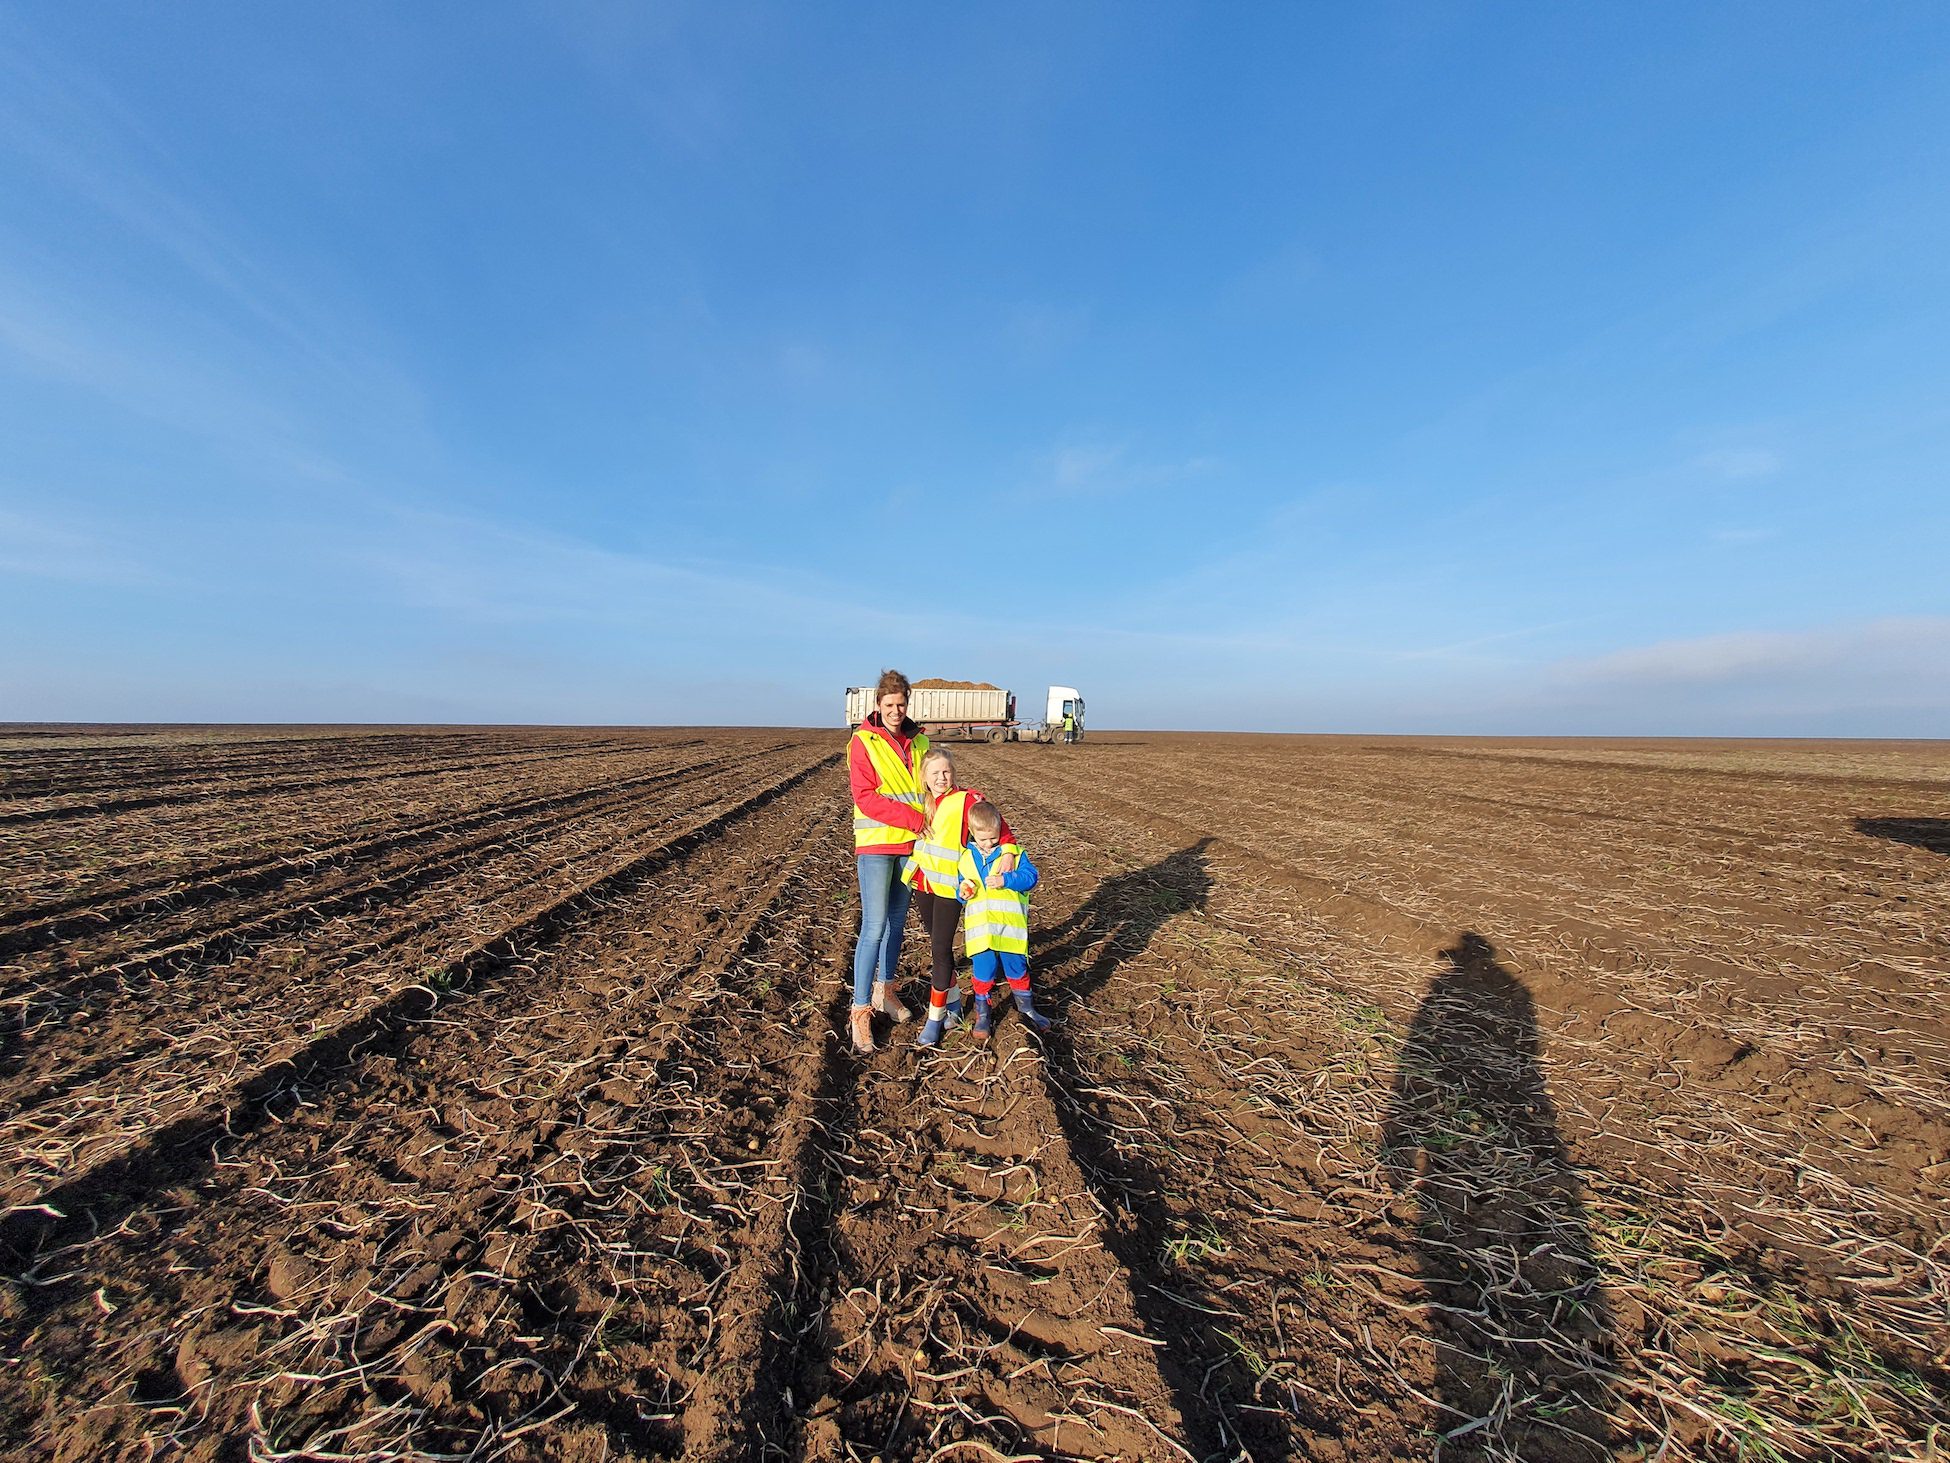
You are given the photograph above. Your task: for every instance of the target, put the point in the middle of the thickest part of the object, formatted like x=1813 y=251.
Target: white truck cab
x=1064 y=701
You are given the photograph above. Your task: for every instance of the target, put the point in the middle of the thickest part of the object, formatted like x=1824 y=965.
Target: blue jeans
x=883 y=914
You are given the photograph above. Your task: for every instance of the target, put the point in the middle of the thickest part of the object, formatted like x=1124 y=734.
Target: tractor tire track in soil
x=1487 y=1203
x=73 y=1042
x=83 y=1163
x=104 y=913
x=305 y=898
x=563 y=1257
x=70 y=867
x=970 y=1306
x=236 y=789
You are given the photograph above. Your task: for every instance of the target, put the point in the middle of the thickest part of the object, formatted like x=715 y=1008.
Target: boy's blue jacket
x=1022 y=878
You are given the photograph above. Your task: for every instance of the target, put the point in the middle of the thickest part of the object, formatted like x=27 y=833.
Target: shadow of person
x=1071 y=962
x=1117 y=922
x=1930 y=833
x=1519 y=1324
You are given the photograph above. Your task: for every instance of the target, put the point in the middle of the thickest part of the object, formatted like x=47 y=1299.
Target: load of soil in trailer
x=935 y=683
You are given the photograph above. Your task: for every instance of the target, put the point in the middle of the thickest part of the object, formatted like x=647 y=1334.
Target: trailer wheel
x=996 y=734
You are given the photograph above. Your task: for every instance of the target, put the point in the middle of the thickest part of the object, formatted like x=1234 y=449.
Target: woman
x=883 y=765
x=932 y=874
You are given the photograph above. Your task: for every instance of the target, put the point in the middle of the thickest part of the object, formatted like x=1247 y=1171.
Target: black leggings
x=939 y=916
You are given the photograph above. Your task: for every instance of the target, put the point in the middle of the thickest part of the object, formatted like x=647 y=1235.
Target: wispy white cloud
x=490 y=573
x=196 y=325
x=1039 y=333
x=1091 y=465
x=1471 y=651
x=1740 y=464
x=37 y=546
x=1273 y=284
x=1895 y=654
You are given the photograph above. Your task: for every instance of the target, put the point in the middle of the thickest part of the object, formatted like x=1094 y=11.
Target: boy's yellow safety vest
x=997 y=919
x=937 y=852
x=899 y=780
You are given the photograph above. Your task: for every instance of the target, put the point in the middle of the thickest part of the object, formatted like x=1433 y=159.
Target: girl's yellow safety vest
x=937 y=852
x=899 y=780
x=997 y=919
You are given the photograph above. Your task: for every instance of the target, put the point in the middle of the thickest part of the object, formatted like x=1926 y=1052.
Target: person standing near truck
x=883 y=763
x=1069 y=728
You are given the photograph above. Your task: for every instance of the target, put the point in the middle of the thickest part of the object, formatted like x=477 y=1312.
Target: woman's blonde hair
x=935 y=754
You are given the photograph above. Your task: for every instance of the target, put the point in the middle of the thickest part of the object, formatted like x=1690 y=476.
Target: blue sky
x=1412 y=367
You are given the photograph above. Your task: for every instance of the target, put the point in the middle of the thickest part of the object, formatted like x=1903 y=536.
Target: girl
x=931 y=875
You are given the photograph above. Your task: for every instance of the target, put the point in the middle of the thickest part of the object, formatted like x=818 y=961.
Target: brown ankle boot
x=889 y=1004
x=862 y=1024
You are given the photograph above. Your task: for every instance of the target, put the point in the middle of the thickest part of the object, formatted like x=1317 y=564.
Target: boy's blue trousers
x=988 y=964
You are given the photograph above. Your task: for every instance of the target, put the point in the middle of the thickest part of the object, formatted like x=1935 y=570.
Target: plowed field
x=482 y=1094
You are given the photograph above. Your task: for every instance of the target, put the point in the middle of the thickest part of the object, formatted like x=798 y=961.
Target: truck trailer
x=974 y=714
x=979 y=713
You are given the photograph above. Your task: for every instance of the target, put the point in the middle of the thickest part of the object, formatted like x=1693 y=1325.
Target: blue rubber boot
x=930 y=1034
x=983 y=1026
x=1026 y=1004
x=953 y=1018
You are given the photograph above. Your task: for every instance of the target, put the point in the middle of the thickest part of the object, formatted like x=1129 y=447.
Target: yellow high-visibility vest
x=997 y=919
x=937 y=852
x=899 y=780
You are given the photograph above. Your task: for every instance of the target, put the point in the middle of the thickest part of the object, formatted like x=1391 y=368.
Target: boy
x=997 y=928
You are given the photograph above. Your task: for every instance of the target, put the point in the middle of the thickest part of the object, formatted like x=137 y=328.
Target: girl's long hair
x=927 y=797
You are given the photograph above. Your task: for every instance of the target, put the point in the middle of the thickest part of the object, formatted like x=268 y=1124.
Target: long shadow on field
x=1114 y=926
x=1930 y=833
x=1504 y=1245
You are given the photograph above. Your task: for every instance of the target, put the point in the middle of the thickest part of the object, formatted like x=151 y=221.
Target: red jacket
x=866 y=788
x=866 y=782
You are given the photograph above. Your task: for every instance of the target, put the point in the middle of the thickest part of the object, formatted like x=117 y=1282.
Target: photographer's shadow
x=1930 y=833
x=1519 y=1323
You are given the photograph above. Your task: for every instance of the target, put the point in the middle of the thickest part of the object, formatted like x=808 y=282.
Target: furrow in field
x=80 y=1042
x=33 y=926
x=1492 y=1196
x=182 y=927
x=968 y=1300
x=578 y=1249
x=67 y=863
x=1756 y=922
x=87 y=1142
x=213 y=769
x=243 y=790
x=189 y=766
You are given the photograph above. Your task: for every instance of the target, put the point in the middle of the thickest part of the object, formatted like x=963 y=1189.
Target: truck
x=1063 y=701
x=974 y=711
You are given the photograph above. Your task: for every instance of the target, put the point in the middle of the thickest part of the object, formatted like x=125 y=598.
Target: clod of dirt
x=287 y=1275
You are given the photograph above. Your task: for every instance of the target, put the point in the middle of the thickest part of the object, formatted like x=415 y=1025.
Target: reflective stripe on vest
x=898 y=780
x=937 y=852
x=997 y=919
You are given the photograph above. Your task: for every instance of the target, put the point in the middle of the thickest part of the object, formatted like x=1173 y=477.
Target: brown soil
x=936 y=684
x=414 y=1093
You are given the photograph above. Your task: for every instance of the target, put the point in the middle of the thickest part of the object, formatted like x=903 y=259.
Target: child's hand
x=1004 y=863
x=995 y=878
x=967 y=890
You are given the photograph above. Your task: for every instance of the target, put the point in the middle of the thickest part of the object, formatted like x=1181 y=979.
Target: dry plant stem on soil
x=1459 y=1100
